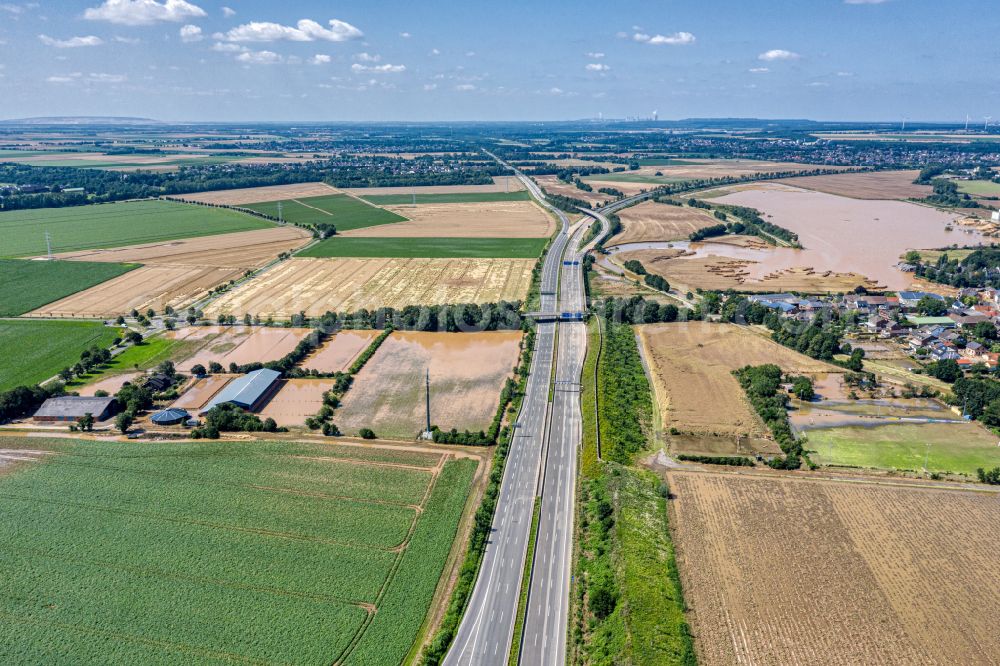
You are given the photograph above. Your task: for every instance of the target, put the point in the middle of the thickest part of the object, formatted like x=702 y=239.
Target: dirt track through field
x=804 y=571
x=497 y=219
x=316 y=286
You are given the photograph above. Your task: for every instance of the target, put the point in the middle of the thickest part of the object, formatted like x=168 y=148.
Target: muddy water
x=242 y=344
x=201 y=392
x=337 y=353
x=847 y=235
x=296 y=400
x=458 y=355
x=110 y=384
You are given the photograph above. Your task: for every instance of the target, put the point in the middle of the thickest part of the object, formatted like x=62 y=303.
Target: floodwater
x=242 y=344
x=338 y=352
x=296 y=400
x=111 y=384
x=846 y=235
x=201 y=391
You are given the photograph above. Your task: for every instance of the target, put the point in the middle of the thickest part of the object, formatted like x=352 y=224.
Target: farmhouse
x=249 y=392
x=72 y=408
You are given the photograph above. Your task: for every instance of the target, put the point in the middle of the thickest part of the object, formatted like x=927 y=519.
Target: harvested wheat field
x=258 y=194
x=499 y=184
x=338 y=352
x=244 y=249
x=243 y=344
x=496 y=219
x=552 y=185
x=651 y=221
x=692 y=364
x=296 y=400
x=806 y=571
x=154 y=286
x=467 y=372
x=873 y=185
x=317 y=286
x=201 y=391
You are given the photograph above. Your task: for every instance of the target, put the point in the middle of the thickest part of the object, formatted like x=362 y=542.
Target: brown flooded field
x=296 y=400
x=201 y=391
x=242 y=345
x=692 y=367
x=467 y=372
x=500 y=184
x=316 y=286
x=806 y=571
x=110 y=384
x=259 y=194
x=846 y=235
x=495 y=219
x=872 y=185
x=338 y=352
x=244 y=249
x=154 y=286
x=651 y=221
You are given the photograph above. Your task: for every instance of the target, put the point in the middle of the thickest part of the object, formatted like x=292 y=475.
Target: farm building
x=249 y=392
x=169 y=417
x=72 y=408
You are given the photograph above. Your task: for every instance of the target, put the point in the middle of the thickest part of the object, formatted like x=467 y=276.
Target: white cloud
x=430 y=86
x=470 y=54
x=818 y=84
x=596 y=55
x=63 y=79
x=320 y=59
x=93 y=77
x=465 y=87
x=597 y=67
x=191 y=33
x=305 y=30
x=386 y=68
x=228 y=48
x=760 y=70
x=368 y=57
x=259 y=58
x=228 y=12
x=127 y=40
x=405 y=35
x=143 y=12
x=72 y=42
x=435 y=52
x=676 y=39
x=845 y=73
x=106 y=78
x=778 y=54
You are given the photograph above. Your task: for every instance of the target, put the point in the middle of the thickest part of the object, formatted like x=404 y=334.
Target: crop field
x=983 y=188
x=877 y=573
x=316 y=286
x=446 y=198
x=499 y=184
x=553 y=185
x=873 y=185
x=237 y=551
x=296 y=400
x=692 y=365
x=651 y=221
x=467 y=373
x=239 y=197
x=33 y=351
x=338 y=352
x=343 y=211
x=428 y=248
x=237 y=344
x=83 y=160
x=26 y=285
x=22 y=232
x=503 y=219
x=949 y=447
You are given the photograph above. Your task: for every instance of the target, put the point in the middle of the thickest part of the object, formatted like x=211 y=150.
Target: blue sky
x=506 y=60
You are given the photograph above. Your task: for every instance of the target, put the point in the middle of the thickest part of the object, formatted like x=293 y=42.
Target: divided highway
x=543 y=457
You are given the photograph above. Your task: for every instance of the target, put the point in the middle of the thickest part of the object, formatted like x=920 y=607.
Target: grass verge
x=522 y=599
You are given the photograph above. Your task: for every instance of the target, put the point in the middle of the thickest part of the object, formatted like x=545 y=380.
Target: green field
x=463 y=197
x=27 y=285
x=260 y=552
x=340 y=210
x=147 y=354
x=32 y=351
x=626 y=177
x=983 y=188
x=431 y=248
x=959 y=448
x=22 y=232
x=123 y=163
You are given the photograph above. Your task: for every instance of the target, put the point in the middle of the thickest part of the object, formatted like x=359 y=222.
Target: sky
x=426 y=60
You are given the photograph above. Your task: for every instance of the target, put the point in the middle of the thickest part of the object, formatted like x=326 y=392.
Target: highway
x=485 y=633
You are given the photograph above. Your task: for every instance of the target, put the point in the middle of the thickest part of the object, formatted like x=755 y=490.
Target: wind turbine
x=987 y=123
x=904 y=124
x=966 y=122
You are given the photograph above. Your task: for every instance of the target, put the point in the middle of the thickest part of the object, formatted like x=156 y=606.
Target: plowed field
x=804 y=571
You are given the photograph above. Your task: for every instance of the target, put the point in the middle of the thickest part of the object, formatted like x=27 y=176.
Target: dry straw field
x=876 y=185
x=315 y=286
x=494 y=219
x=467 y=373
x=651 y=221
x=258 y=194
x=174 y=273
x=807 y=571
x=692 y=365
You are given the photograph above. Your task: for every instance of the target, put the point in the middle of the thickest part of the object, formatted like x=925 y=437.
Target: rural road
x=542 y=431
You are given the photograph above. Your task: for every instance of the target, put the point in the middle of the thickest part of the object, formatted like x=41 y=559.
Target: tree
x=947 y=370
x=912 y=257
x=86 y=422
x=166 y=368
x=367 y=433
x=198 y=370
x=123 y=422
x=985 y=330
x=215 y=367
x=135 y=337
x=803 y=389
x=931 y=307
